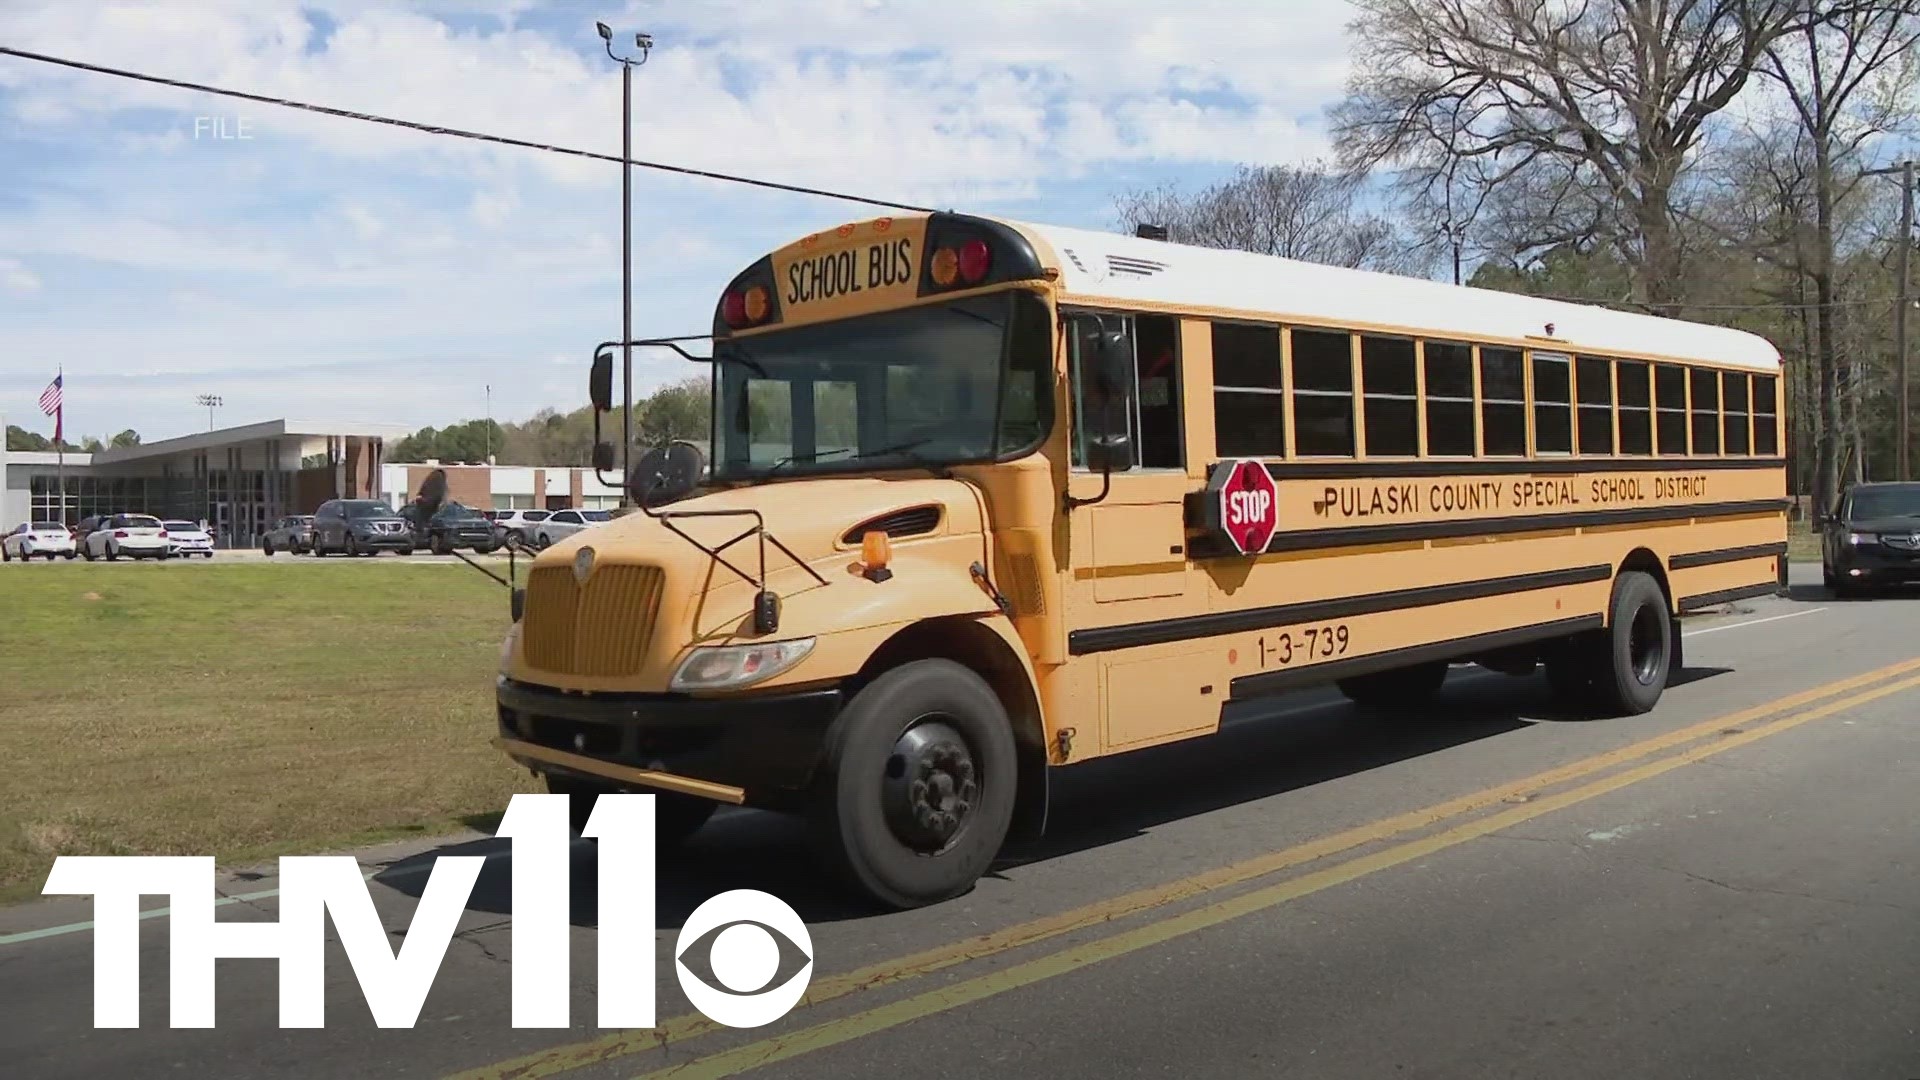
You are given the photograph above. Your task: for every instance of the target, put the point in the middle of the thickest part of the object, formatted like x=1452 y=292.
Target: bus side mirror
x=603 y=456
x=600 y=383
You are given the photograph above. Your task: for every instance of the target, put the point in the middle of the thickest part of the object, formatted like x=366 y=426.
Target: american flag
x=50 y=404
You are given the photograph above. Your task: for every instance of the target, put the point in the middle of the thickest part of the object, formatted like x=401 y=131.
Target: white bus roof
x=1098 y=266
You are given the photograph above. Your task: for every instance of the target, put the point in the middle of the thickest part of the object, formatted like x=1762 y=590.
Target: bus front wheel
x=917 y=791
x=1635 y=653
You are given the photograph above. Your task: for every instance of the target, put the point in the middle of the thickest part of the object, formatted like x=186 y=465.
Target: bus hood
x=646 y=593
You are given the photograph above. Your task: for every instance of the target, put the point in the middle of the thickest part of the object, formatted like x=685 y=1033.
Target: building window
x=1390 y=396
x=1249 y=402
x=1593 y=383
x=1706 y=411
x=1636 y=407
x=1449 y=371
x=1766 y=431
x=1733 y=391
x=1670 y=408
x=1503 y=402
x=1552 y=404
x=1322 y=393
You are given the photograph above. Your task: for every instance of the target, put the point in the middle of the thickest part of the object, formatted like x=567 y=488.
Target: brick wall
x=573 y=488
x=471 y=486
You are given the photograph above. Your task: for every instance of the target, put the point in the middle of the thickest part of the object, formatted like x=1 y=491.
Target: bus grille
x=598 y=629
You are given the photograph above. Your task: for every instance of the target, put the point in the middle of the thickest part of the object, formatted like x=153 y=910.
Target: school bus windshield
x=937 y=385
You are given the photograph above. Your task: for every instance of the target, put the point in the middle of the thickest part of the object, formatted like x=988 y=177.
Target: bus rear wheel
x=1400 y=688
x=917 y=791
x=1633 y=657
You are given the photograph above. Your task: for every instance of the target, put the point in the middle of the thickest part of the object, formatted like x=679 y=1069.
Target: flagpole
x=60 y=444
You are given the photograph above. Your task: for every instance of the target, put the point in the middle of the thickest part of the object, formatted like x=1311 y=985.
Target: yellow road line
x=679 y=1029
x=783 y=1047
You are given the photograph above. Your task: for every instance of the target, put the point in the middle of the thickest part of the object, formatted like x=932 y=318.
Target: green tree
x=126 y=438
x=19 y=438
x=682 y=410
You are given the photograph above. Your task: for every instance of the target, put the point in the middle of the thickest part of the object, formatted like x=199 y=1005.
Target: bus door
x=1134 y=539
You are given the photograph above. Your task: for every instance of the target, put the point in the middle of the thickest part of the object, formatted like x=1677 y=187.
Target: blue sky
x=329 y=269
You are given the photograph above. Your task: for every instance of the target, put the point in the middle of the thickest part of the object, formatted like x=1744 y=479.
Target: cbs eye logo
x=743 y=940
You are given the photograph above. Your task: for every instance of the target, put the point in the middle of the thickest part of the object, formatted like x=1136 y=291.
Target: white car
x=564 y=523
x=188 y=538
x=47 y=539
x=518 y=524
x=137 y=536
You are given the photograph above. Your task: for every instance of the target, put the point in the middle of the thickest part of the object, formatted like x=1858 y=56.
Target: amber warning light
x=876 y=551
x=966 y=264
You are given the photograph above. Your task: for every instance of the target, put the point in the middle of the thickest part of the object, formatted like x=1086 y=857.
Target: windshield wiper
x=900 y=448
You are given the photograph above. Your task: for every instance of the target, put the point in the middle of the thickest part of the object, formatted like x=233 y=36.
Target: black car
x=359 y=527
x=1873 y=538
x=453 y=526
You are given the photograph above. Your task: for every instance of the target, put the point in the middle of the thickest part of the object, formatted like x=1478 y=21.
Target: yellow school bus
x=987 y=499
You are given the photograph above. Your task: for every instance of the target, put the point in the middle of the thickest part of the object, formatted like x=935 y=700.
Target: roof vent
x=918 y=521
x=1121 y=264
x=1150 y=232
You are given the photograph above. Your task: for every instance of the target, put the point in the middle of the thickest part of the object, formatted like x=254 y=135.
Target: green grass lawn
x=242 y=710
x=1803 y=544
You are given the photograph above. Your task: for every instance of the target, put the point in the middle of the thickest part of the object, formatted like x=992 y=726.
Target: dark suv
x=453 y=526
x=1872 y=539
x=359 y=527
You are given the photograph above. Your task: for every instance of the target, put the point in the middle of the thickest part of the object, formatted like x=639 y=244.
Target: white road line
x=1750 y=622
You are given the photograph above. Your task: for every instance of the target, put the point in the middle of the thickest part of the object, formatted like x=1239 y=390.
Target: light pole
x=643 y=42
x=1903 y=299
x=209 y=402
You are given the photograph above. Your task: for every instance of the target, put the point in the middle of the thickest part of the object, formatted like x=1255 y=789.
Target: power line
x=458 y=133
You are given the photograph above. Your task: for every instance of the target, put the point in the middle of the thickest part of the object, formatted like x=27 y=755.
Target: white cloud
x=14 y=275
x=265 y=264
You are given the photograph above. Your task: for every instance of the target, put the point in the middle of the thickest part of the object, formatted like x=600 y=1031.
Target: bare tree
x=1845 y=82
x=1579 y=116
x=1308 y=212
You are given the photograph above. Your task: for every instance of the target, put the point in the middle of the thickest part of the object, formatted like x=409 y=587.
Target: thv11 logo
x=741 y=931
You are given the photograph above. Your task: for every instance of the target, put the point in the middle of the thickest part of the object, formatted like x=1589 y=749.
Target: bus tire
x=676 y=817
x=1399 y=688
x=916 y=793
x=1635 y=654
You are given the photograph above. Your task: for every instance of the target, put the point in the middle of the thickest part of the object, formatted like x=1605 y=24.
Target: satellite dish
x=667 y=474
x=433 y=492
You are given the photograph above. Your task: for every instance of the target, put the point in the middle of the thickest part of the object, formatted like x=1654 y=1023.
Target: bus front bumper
x=736 y=750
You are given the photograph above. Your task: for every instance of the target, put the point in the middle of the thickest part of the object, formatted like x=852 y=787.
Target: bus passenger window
x=1670 y=407
x=1449 y=399
x=1593 y=382
x=1636 y=408
x=1766 y=432
x=1552 y=405
x=1503 y=402
x=1733 y=390
x=1156 y=358
x=1388 y=393
x=1322 y=393
x=1706 y=411
x=1249 y=407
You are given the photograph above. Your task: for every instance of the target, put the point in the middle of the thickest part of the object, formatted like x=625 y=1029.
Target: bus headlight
x=729 y=667
x=506 y=646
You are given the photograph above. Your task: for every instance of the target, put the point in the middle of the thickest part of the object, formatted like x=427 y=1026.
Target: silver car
x=294 y=533
x=564 y=523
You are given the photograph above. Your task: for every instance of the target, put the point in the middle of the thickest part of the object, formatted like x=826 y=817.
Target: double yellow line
x=1726 y=732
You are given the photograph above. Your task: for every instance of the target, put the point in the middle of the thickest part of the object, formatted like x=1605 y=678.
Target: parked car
x=1872 y=538
x=137 y=536
x=359 y=527
x=293 y=534
x=87 y=525
x=518 y=524
x=47 y=539
x=564 y=523
x=187 y=538
x=453 y=526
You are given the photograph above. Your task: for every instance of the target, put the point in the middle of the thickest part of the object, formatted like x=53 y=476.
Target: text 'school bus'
x=986 y=499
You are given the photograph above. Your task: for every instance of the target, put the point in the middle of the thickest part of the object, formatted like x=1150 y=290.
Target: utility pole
x=1903 y=300
x=643 y=42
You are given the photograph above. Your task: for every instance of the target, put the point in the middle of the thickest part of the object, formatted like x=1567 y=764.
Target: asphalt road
x=1728 y=886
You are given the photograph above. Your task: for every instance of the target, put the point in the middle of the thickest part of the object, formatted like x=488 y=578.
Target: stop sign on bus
x=1243 y=504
